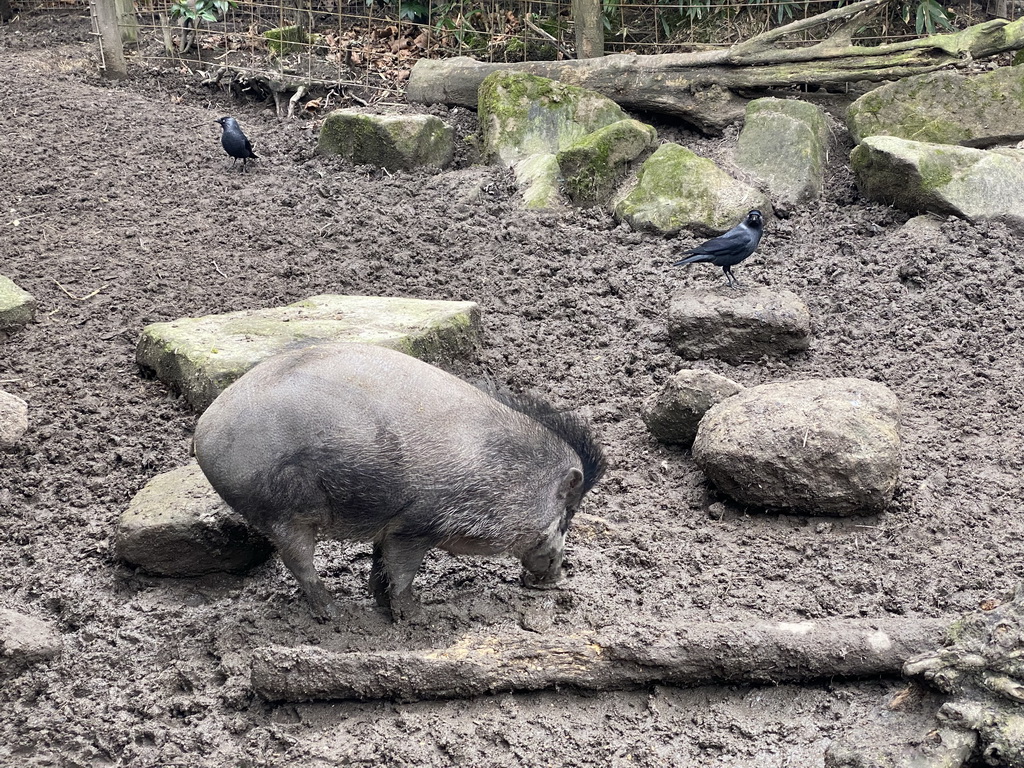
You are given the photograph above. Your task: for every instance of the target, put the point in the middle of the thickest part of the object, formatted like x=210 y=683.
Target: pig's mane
x=568 y=425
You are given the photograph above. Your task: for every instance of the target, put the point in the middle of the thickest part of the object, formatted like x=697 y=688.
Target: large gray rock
x=394 y=142
x=177 y=525
x=826 y=446
x=738 y=325
x=673 y=414
x=594 y=166
x=784 y=142
x=17 y=307
x=677 y=189
x=13 y=419
x=975 y=184
x=944 y=108
x=24 y=640
x=201 y=356
x=525 y=120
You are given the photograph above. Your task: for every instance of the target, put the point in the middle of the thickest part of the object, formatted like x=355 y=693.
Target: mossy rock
x=522 y=115
x=676 y=189
x=394 y=142
x=595 y=165
x=919 y=177
x=17 y=307
x=784 y=143
x=200 y=356
x=285 y=40
x=944 y=108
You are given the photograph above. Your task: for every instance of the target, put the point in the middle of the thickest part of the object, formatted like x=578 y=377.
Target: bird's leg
x=733 y=282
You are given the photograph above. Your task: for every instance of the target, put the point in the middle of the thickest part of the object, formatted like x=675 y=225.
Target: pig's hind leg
x=396 y=561
x=296 y=542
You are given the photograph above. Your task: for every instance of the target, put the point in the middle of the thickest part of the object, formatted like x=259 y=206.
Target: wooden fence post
x=127 y=22
x=589 y=28
x=112 y=51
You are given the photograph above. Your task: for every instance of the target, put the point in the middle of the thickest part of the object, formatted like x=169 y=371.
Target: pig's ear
x=571 y=483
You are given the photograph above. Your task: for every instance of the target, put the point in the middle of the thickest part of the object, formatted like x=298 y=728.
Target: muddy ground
x=119 y=209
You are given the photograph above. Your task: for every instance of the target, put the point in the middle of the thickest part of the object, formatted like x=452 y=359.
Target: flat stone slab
x=201 y=356
x=738 y=325
x=17 y=306
x=177 y=525
x=24 y=640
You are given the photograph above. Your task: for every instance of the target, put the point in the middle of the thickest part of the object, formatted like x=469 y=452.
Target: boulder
x=975 y=184
x=24 y=640
x=526 y=120
x=676 y=189
x=673 y=414
x=13 y=420
x=738 y=326
x=201 y=356
x=284 y=40
x=17 y=307
x=595 y=165
x=828 y=446
x=944 y=108
x=177 y=525
x=394 y=142
x=784 y=142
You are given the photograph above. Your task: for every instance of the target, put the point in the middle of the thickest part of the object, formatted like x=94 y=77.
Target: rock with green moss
x=200 y=356
x=677 y=189
x=526 y=120
x=975 y=184
x=595 y=165
x=394 y=142
x=944 y=108
x=285 y=40
x=17 y=307
x=784 y=143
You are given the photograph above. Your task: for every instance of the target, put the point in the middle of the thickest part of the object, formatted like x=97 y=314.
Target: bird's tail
x=693 y=259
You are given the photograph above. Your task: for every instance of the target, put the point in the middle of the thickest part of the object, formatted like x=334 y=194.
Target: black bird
x=234 y=142
x=728 y=250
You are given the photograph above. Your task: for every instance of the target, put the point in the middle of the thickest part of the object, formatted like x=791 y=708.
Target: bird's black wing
x=732 y=242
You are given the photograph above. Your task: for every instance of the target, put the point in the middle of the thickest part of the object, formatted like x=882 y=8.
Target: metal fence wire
x=363 y=50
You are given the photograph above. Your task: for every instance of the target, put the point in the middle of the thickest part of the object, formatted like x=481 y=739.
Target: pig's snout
x=542 y=565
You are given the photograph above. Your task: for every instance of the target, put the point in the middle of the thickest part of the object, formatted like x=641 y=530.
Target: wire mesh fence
x=363 y=50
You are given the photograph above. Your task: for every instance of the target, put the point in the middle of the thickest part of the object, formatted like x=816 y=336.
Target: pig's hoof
x=325 y=612
x=544 y=581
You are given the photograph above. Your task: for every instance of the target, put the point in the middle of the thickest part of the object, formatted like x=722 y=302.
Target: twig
x=78 y=298
x=547 y=36
x=218 y=271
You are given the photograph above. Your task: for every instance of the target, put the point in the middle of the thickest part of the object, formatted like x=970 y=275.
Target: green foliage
x=201 y=10
x=928 y=17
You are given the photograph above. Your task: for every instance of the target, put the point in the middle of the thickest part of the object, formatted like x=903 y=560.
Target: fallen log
x=704 y=88
x=700 y=654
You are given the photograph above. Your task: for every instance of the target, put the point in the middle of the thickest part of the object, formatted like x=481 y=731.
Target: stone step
x=201 y=356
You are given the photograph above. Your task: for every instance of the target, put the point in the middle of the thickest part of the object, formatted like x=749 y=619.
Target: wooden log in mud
x=699 y=654
x=706 y=87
